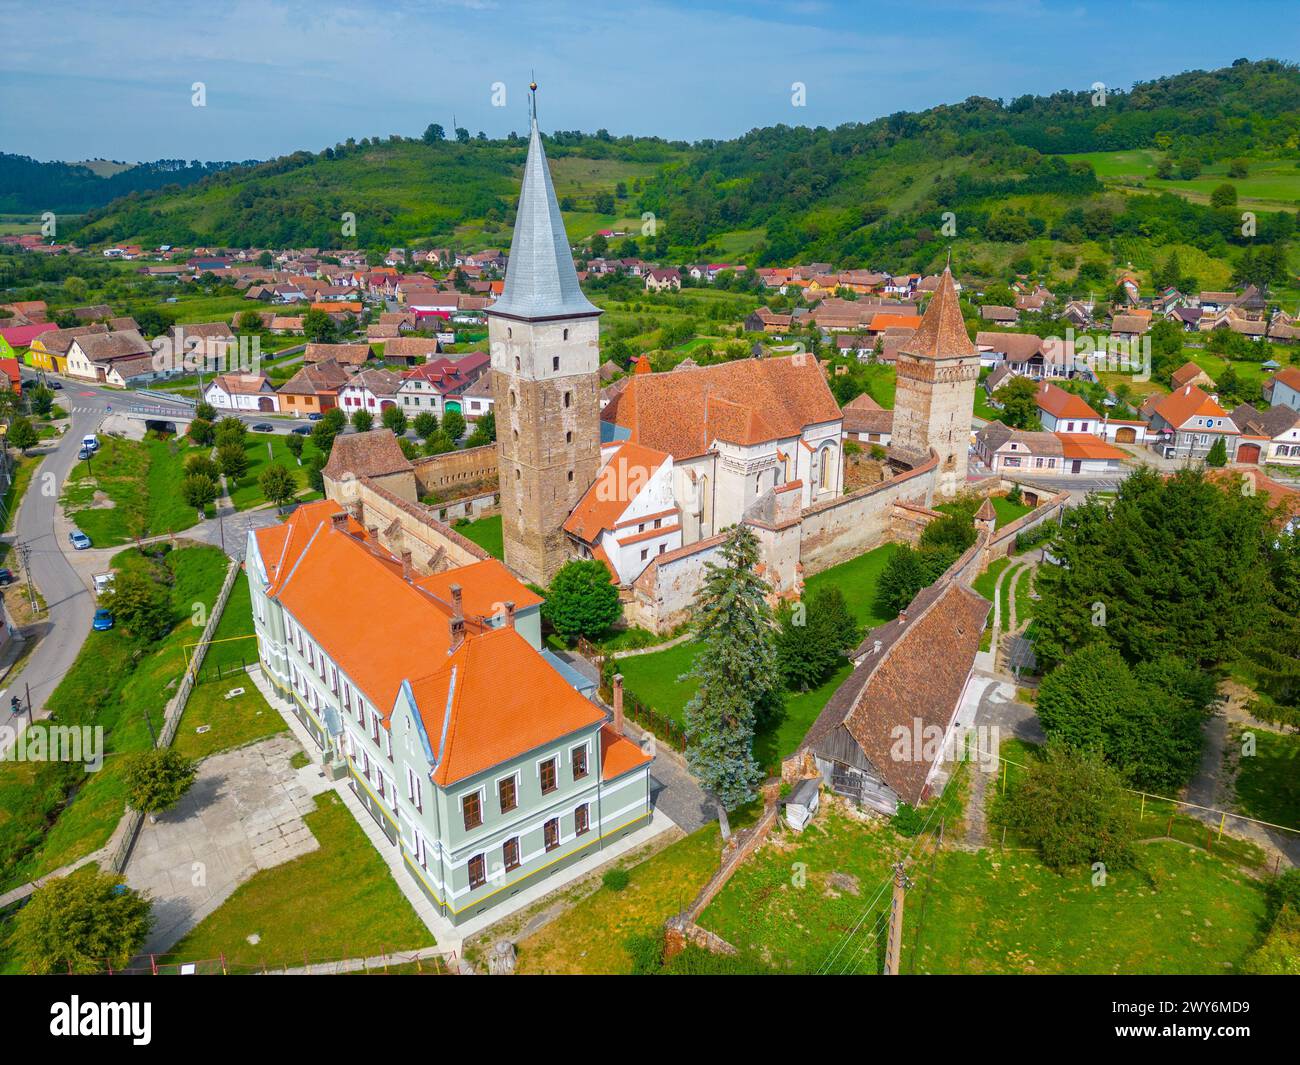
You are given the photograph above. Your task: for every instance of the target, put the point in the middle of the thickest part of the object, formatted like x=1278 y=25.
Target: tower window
x=516 y=364
x=509 y=331
x=568 y=396
x=566 y=334
x=568 y=437
x=571 y=475
x=516 y=473
x=555 y=362
x=512 y=399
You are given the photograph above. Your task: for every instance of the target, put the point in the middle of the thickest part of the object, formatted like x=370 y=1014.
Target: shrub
x=156 y=779
x=84 y=923
x=582 y=600
x=616 y=879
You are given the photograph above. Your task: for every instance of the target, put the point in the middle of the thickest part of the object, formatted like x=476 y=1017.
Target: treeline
x=27 y=185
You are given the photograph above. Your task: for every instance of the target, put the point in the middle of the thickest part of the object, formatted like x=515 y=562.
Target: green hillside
x=400 y=190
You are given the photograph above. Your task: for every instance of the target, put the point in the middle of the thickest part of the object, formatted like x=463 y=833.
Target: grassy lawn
x=985 y=584
x=233 y=646
x=1268 y=782
x=1004 y=912
x=24 y=468
x=230 y=722
x=486 y=532
x=337 y=902
x=989 y=911
x=653 y=678
x=141 y=479
x=52 y=813
x=247 y=492
x=1006 y=510
x=857 y=579
x=603 y=922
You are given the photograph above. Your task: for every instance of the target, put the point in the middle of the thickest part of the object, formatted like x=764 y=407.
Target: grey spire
x=541 y=281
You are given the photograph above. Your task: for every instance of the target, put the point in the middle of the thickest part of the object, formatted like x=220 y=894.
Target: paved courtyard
x=244 y=813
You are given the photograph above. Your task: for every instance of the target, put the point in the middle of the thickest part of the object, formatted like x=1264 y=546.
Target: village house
x=1002 y=448
x=1064 y=412
x=354 y=355
x=114 y=358
x=411 y=351
x=999 y=315
x=239 y=391
x=1185 y=424
x=1283 y=388
x=1268 y=437
x=472 y=751
x=865 y=421
x=313 y=389
x=659 y=280
x=1191 y=374
x=49 y=349
x=373 y=391
x=440 y=384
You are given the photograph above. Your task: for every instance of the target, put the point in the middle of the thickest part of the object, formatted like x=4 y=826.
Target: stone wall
x=457 y=473
x=400 y=525
x=840 y=529
x=661 y=598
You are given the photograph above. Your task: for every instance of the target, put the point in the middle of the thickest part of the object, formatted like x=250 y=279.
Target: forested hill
x=862 y=189
x=29 y=186
x=1009 y=172
x=396 y=190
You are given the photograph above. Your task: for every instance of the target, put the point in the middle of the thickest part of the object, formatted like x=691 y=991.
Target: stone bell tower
x=544 y=339
x=937 y=370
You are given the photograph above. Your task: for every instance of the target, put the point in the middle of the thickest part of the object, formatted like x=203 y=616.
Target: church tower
x=935 y=398
x=544 y=339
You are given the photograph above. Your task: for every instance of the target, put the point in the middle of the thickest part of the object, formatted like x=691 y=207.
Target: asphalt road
x=68 y=598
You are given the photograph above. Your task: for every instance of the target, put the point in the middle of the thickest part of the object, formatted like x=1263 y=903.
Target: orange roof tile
x=503 y=698
x=1189 y=402
x=942 y=332
x=1087 y=446
x=618 y=483
x=749 y=400
x=1059 y=403
x=484 y=587
x=618 y=754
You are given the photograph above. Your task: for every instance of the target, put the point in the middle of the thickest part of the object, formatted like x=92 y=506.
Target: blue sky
x=113 y=79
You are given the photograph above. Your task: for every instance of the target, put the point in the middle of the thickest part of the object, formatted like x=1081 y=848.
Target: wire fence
x=386 y=963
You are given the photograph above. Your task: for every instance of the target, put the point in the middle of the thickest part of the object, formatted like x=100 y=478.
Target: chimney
x=876 y=648
x=902 y=617
x=406 y=566
x=510 y=613
x=373 y=531
x=457 y=620
x=339 y=520
x=618 y=703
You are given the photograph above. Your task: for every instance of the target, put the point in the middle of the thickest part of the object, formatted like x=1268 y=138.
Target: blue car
x=79 y=539
x=103 y=620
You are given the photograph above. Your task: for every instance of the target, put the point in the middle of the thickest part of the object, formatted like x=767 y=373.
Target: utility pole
x=894 y=946
x=29 y=703
x=23 y=554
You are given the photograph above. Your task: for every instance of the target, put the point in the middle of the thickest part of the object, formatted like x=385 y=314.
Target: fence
x=417 y=962
x=664 y=728
x=119 y=849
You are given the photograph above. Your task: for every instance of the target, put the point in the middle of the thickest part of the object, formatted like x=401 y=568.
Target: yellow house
x=49 y=351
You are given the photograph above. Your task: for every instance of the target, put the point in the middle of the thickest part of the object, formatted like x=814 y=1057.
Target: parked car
x=54 y=384
x=103 y=620
x=85 y=453
x=6 y=576
x=315 y=416
x=79 y=539
x=30 y=382
x=91 y=441
x=264 y=427
x=301 y=430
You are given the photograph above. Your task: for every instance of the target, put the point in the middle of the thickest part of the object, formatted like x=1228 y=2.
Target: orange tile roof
x=618 y=483
x=1288 y=376
x=1188 y=402
x=1087 y=446
x=894 y=321
x=484 y=587
x=618 y=754
x=749 y=400
x=503 y=699
x=1062 y=404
